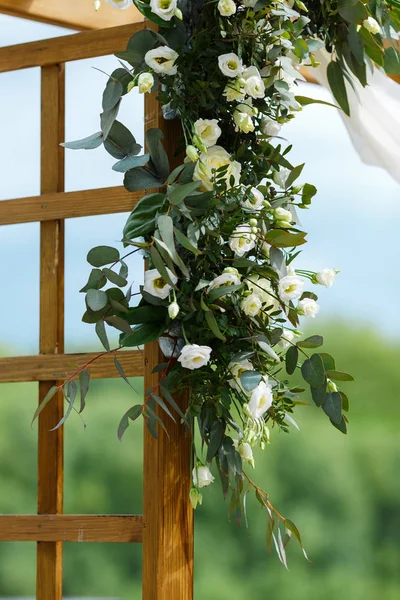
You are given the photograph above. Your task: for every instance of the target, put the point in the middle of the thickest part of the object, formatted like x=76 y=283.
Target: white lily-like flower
x=261 y=399
x=202 y=476
x=156 y=285
x=230 y=64
x=326 y=277
x=194 y=356
x=165 y=9
x=162 y=60
x=241 y=241
x=291 y=287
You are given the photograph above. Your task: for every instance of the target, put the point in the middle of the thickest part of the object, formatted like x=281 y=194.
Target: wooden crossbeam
x=71 y=528
x=75 y=14
x=48 y=367
x=68 y=205
x=88 y=44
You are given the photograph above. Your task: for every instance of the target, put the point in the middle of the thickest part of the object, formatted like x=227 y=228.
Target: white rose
x=208 y=131
x=236 y=369
x=215 y=158
x=120 y=3
x=230 y=64
x=226 y=279
x=202 y=476
x=254 y=85
x=162 y=60
x=145 y=82
x=194 y=357
x=270 y=127
x=173 y=310
x=372 y=25
x=287 y=338
x=255 y=200
x=226 y=8
x=246 y=452
x=326 y=277
x=165 y=9
x=308 y=308
x=243 y=121
x=281 y=176
x=283 y=217
x=261 y=400
x=156 y=285
x=234 y=92
x=251 y=305
x=290 y=288
x=240 y=241
x=261 y=287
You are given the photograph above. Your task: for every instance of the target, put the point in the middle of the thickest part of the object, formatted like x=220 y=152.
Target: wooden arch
x=166 y=527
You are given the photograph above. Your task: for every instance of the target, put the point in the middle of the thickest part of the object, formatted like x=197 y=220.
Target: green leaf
x=284 y=239
x=146 y=314
x=102 y=255
x=295 y=173
x=119 y=323
x=70 y=397
x=169 y=398
x=339 y=376
x=166 y=229
x=313 y=371
x=50 y=394
x=112 y=94
x=311 y=342
x=141 y=221
x=88 y=143
x=332 y=406
x=141 y=42
x=318 y=394
x=304 y=101
x=224 y=290
x=84 y=380
x=308 y=193
x=107 y=119
x=356 y=45
x=354 y=14
x=157 y=152
x=392 y=61
x=341 y=425
x=213 y=325
x=328 y=360
x=115 y=278
x=143 y=334
x=345 y=401
x=120 y=142
x=141 y=178
x=96 y=300
x=291 y=359
x=185 y=242
x=102 y=334
x=180 y=192
x=132 y=414
x=250 y=380
x=161 y=403
x=216 y=436
x=336 y=81
x=96 y=281
x=130 y=162
x=160 y=266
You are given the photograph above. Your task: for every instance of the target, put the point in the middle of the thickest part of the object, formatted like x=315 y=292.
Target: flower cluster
x=222 y=236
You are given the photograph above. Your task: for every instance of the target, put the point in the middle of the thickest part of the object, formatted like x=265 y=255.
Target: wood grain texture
x=71 y=528
x=168 y=515
x=48 y=367
x=68 y=205
x=78 y=46
x=75 y=14
x=50 y=444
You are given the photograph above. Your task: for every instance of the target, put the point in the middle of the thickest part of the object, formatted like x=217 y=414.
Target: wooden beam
x=74 y=14
x=70 y=47
x=168 y=514
x=70 y=528
x=49 y=367
x=68 y=205
x=51 y=443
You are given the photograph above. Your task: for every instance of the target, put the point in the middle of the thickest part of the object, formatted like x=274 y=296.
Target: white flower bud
x=178 y=14
x=254 y=230
x=145 y=82
x=372 y=25
x=332 y=387
x=173 y=310
x=253 y=222
x=226 y=8
x=191 y=153
x=195 y=497
x=97 y=4
x=308 y=308
x=202 y=476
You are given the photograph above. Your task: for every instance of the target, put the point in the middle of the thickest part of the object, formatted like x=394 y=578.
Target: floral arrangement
x=223 y=291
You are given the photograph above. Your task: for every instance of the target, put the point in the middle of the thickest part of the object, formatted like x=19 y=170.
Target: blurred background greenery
x=343 y=492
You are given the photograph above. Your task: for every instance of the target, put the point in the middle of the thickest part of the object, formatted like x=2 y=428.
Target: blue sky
x=353 y=223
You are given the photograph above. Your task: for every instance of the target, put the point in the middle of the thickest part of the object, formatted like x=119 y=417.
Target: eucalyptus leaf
x=313 y=371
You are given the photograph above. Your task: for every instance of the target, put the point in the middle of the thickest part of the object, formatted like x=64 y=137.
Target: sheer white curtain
x=374 y=125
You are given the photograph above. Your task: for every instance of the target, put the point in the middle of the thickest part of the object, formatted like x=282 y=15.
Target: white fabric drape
x=374 y=124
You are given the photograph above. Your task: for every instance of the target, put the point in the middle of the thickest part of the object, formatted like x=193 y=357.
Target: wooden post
x=167 y=512
x=50 y=458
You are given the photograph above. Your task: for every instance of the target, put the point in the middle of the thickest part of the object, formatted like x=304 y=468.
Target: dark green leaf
x=313 y=370
x=213 y=325
x=132 y=414
x=70 y=397
x=102 y=334
x=119 y=323
x=291 y=359
x=345 y=401
x=120 y=142
x=115 y=278
x=311 y=342
x=250 y=380
x=224 y=290
x=157 y=152
x=392 y=61
x=185 y=242
x=96 y=281
x=339 y=376
x=284 y=239
x=341 y=425
x=112 y=94
x=354 y=14
x=141 y=178
x=50 y=394
x=336 y=81
x=84 y=380
x=304 y=101
x=102 y=255
x=146 y=314
x=131 y=162
x=88 y=143
x=161 y=403
x=142 y=334
x=107 y=119
x=96 y=300
x=180 y=192
x=295 y=173
x=216 y=436
x=328 y=360
x=318 y=394
x=332 y=406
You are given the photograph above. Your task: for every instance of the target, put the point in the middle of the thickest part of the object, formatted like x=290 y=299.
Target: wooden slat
x=168 y=515
x=70 y=528
x=50 y=443
x=75 y=14
x=68 y=205
x=48 y=367
x=78 y=46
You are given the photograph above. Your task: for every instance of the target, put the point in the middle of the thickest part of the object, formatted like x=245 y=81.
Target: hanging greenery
x=224 y=291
